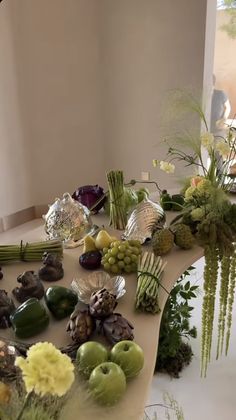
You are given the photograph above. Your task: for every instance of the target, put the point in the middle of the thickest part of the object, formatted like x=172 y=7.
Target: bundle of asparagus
x=150 y=270
x=29 y=251
x=118 y=216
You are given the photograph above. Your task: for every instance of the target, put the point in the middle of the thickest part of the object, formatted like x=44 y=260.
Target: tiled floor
x=213 y=398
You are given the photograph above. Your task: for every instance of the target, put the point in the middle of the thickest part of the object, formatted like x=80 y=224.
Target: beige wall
x=55 y=46
x=15 y=168
x=83 y=86
x=225 y=61
x=149 y=47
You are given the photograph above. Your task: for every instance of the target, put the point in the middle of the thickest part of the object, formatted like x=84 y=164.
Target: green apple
x=129 y=356
x=89 y=355
x=107 y=383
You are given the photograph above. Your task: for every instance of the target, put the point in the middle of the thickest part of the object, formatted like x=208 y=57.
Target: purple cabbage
x=88 y=195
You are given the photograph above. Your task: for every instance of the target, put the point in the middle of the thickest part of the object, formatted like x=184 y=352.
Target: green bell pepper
x=29 y=319
x=60 y=301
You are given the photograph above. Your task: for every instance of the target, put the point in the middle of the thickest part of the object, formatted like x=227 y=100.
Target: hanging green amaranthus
x=208 y=308
x=224 y=289
x=231 y=290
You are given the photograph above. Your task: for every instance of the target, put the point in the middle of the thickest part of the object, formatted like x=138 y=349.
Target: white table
x=146 y=326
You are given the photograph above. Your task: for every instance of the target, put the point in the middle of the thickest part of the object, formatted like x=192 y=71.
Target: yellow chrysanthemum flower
x=189 y=193
x=207 y=140
x=223 y=149
x=46 y=370
x=167 y=167
x=204 y=186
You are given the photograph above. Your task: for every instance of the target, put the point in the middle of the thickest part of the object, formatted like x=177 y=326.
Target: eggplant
x=90 y=260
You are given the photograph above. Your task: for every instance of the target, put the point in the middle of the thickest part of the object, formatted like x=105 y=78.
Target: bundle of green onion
x=29 y=251
x=150 y=270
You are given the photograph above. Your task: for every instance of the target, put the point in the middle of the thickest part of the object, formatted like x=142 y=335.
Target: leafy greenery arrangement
x=211 y=217
x=173 y=352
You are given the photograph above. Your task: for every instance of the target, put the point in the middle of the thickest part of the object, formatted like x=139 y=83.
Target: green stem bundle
x=214 y=255
x=118 y=216
x=150 y=270
x=214 y=258
x=208 y=307
x=29 y=251
x=25 y=405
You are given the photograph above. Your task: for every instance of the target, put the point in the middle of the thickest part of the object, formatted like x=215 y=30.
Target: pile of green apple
x=107 y=372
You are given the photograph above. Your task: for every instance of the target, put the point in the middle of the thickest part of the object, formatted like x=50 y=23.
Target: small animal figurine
x=7 y=307
x=31 y=286
x=52 y=269
x=8 y=370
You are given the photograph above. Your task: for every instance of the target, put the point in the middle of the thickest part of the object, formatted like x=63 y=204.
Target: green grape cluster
x=121 y=256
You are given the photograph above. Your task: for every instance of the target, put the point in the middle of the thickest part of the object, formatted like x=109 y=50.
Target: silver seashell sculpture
x=69 y=221
x=84 y=287
x=145 y=219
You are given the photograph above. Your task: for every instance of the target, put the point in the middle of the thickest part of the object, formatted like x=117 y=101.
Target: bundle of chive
x=29 y=251
x=118 y=216
x=150 y=270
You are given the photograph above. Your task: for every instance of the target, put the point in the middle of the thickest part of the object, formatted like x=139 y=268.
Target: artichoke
x=162 y=241
x=183 y=236
x=102 y=303
x=80 y=326
x=116 y=328
x=7 y=307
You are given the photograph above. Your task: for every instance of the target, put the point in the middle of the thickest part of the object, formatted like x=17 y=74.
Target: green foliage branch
x=175 y=326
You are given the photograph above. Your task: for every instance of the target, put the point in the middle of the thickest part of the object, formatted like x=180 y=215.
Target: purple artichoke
x=117 y=328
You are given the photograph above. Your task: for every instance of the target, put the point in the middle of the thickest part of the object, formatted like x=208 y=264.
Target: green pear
x=89 y=244
x=103 y=239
